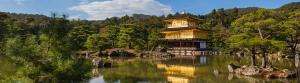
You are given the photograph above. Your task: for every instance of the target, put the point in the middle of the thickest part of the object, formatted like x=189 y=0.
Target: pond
x=203 y=69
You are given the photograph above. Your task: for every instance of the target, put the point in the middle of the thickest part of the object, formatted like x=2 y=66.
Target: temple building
x=184 y=37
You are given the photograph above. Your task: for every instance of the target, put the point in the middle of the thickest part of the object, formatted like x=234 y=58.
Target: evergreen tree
x=259 y=26
x=290 y=29
x=79 y=34
x=3 y=31
x=97 y=43
x=112 y=28
x=126 y=36
x=154 y=39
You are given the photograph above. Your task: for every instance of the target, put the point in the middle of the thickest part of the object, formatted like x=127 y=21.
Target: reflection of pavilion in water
x=184 y=70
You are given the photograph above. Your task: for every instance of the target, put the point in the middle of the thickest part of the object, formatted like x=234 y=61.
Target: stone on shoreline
x=251 y=70
x=232 y=67
x=156 y=54
x=268 y=72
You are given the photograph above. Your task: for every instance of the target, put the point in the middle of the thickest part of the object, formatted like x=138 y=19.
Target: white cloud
x=20 y=2
x=101 y=9
x=74 y=17
x=88 y=1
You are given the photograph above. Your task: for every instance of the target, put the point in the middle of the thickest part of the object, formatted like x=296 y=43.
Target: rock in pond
x=268 y=72
x=102 y=64
x=249 y=71
x=156 y=54
x=285 y=73
x=232 y=67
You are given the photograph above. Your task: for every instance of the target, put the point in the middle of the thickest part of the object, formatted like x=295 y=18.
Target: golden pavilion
x=184 y=37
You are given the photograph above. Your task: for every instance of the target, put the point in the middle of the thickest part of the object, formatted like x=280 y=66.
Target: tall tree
x=126 y=36
x=3 y=30
x=79 y=35
x=153 y=39
x=244 y=42
x=54 y=38
x=217 y=36
x=291 y=30
x=96 y=42
x=259 y=25
x=113 y=32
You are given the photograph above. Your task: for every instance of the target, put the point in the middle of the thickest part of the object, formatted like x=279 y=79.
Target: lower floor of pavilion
x=187 y=47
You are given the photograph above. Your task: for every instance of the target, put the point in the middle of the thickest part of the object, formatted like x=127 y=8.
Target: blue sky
x=101 y=9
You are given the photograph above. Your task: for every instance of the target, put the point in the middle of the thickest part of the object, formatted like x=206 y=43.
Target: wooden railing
x=183 y=48
x=189 y=51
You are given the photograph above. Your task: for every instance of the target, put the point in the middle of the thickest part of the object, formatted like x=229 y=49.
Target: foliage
x=126 y=36
x=255 y=31
x=96 y=42
x=113 y=33
x=41 y=47
x=294 y=6
x=289 y=30
x=153 y=38
x=80 y=33
x=3 y=30
x=43 y=55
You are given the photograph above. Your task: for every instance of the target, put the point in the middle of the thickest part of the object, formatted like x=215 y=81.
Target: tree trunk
x=260 y=33
x=253 y=58
x=86 y=54
x=129 y=46
x=264 y=51
x=264 y=59
x=296 y=62
x=48 y=47
x=294 y=53
x=113 y=43
x=293 y=50
x=152 y=48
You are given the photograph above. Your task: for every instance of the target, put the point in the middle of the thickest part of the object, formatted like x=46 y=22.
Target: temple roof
x=183 y=18
x=181 y=28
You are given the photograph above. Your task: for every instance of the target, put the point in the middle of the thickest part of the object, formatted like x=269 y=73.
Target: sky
x=101 y=9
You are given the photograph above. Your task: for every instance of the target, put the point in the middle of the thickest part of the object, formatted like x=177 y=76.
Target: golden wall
x=186 y=34
x=200 y=34
x=181 y=23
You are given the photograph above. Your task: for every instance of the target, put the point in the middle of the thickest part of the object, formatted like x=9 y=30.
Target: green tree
x=113 y=29
x=217 y=36
x=113 y=32
x=97 y=43
x=259 y=25
x=290 y=29
x=3 y=31
x=54 y=36
x=79 y=35
x=126 y=36
x=154 y=39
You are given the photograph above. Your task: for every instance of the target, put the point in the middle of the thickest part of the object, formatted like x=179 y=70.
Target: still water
x=203 y=69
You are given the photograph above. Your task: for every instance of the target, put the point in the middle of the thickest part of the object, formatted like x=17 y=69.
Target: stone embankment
x=269 y=72
x=98 y=57
x=127 y=53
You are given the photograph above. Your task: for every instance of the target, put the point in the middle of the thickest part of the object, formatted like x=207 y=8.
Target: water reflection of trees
x=184 y=70
x=132 y=72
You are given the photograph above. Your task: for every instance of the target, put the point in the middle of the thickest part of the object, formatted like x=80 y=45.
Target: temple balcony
x=183 y=48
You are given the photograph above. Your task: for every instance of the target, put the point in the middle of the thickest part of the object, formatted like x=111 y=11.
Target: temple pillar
x=179 y=43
